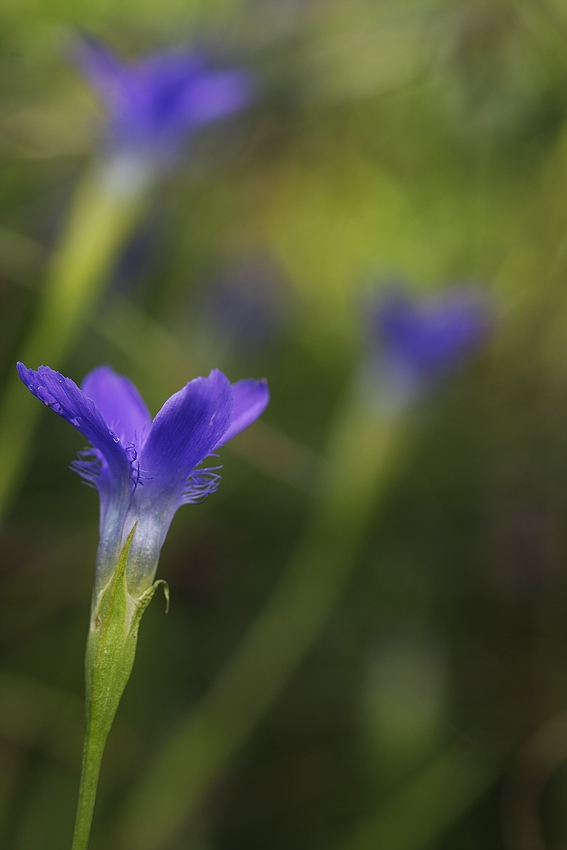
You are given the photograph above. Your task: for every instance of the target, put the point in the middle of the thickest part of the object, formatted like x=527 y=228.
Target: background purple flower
x=417 y=341
x=156 y=104
x=247 y=304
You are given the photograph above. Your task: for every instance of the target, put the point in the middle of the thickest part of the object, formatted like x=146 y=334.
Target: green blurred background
x=416 y=139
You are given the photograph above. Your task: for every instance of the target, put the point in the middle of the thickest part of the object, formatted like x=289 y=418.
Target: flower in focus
x=156 y=104
x=418 y=342
x=145 y=470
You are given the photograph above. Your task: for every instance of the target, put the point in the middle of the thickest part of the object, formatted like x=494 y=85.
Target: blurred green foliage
x=424 y=139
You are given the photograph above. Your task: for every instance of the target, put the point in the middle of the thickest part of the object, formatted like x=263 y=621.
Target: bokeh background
x=416 y=140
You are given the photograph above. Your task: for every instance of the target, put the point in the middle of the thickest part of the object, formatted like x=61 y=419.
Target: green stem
x=361 y=452
x=99 y=222
x=111 y=649
x=95 y=740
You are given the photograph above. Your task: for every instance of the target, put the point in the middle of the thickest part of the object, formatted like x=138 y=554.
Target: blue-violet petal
x=249 y=400
x=120 y=403
x=63 y=396
x=187 y=428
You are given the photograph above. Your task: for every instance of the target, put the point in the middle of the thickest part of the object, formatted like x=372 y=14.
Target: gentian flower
x=155 y=105
x=143 y=470
x=416 y=343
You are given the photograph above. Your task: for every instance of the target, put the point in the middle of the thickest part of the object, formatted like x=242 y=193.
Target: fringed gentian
x=417 y=342
x=156 y=105
x=145 y=470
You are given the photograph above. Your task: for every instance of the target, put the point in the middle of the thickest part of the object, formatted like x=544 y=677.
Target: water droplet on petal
x=45 y=396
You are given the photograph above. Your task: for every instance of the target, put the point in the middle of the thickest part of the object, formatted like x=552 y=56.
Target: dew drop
x=45 y=396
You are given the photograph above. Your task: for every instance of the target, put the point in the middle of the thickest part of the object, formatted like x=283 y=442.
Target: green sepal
x=111 y=645
x=111 y=648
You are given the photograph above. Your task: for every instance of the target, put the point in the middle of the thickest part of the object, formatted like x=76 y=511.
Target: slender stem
x=111 y=649
x=99 y=222
x=361 y=451
x=95 y=740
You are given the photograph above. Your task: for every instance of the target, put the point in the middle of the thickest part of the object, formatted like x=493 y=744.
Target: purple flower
x=156 y=104
x=143 y=470
x=418 y=342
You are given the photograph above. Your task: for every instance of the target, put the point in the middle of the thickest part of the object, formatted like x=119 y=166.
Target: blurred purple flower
x=155 y=105
x=143 y=470
x=247 y=304
x=417 y=342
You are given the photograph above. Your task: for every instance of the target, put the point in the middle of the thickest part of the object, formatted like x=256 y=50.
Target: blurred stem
x=362 y=448
x=430 y=803
x=99 y=222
